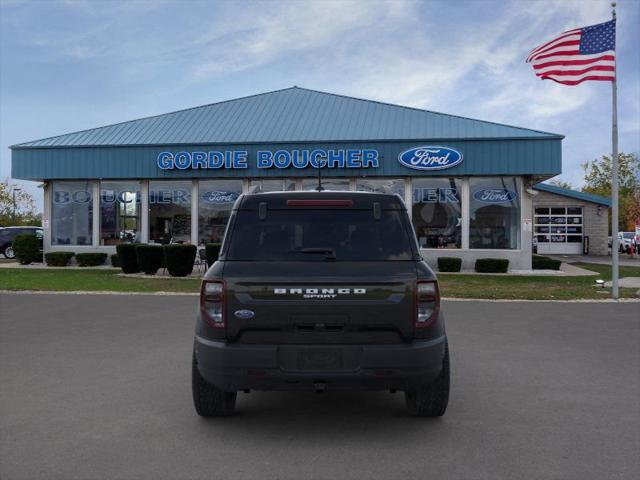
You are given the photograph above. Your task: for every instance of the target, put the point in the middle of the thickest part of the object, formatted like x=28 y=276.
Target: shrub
x=545 y=263
x=127 y=257
x=492 y=265
x=27 y=248
x=179 y=259
x=212 y=250
x=90 y=259
x=449 y=264
x=58 y=259
x=149 y=258
x=115 y=260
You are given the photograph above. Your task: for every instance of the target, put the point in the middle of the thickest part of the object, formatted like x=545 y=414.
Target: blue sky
x=72 y=65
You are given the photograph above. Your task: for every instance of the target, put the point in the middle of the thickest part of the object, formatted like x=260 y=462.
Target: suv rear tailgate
x=320 y=302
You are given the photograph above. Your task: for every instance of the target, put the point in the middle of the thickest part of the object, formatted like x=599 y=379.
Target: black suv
x=7 y=234
x=320 y=291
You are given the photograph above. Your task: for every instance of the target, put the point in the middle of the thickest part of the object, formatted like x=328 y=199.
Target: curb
x=98 y=292
x=521 y=300
x=195 y=294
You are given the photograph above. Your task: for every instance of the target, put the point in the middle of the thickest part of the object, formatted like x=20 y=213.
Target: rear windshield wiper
x=330 y=253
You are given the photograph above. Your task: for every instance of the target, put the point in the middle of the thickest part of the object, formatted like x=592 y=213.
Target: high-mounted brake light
x=427 y=303
x=320 y=203
x=212 y=296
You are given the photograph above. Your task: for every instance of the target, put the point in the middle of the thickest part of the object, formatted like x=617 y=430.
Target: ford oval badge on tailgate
x=244 y=314
x=430 y=158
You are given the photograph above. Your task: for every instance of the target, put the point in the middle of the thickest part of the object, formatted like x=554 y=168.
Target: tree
x=25 y=207
x=597 y=179
x=558 y=182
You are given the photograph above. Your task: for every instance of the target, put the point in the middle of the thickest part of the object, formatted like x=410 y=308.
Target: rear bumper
x=233 y=367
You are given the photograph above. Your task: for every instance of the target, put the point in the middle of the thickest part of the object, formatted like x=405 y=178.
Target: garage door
x=558 y=229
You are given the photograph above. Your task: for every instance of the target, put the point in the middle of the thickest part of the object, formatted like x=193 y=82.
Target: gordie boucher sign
x=418 y=158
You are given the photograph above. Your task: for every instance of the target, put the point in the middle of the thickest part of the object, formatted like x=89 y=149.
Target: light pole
x=14 y=203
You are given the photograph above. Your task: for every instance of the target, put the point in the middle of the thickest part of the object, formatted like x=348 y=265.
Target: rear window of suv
x=319 y=235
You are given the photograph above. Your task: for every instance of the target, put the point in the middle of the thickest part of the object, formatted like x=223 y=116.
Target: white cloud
x=286 y=29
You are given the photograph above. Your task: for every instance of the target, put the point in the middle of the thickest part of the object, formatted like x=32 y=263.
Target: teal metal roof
x=565 y=192
x=289 y=116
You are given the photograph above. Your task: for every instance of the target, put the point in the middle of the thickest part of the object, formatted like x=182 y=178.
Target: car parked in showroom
x=318 y=291
x=7 y=234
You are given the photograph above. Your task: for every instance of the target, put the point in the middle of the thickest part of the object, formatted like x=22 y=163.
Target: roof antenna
x=319 y=188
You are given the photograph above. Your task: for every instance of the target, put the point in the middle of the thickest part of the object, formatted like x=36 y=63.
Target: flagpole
x=614 y=177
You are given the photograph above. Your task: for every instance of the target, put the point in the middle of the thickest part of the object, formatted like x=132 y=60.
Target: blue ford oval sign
x=495 y=195
x=430 y=158
x=219 y=197
x=244 y=314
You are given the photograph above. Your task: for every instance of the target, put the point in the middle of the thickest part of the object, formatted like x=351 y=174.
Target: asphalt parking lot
x=99 y=387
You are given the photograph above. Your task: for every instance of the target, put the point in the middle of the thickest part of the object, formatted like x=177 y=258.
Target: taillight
x=212 y=303
x=427 y=303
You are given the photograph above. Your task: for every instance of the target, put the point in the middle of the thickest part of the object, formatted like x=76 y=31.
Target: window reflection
x=311 y=184
x=494 y=213
x=119 y=212
x=170 y=212
x=72 y=213
x=437 y=212
x=271 y=185
x=216 y=199
x=381 y=185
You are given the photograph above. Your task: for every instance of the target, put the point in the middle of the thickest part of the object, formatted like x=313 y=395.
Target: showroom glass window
x=72 y=213
x=170 y=212
x=311 y=184
x=381 y=185
x=494 y=213
x=271 y=185
x=437 y=212
x=119 y=212
x=216 y=199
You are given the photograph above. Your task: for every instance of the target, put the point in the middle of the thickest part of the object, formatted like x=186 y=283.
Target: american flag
x=587 y=53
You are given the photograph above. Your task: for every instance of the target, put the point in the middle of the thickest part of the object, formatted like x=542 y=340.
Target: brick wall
x=595 y=226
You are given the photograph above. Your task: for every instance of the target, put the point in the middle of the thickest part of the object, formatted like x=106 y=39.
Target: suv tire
x=431 y=400
x=209 y=400
x=8 y=252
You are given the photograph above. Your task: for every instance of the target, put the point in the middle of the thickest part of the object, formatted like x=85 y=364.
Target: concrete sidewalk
x=44 y=266
x=162 y=272
x=624 y=259
x=566 y=270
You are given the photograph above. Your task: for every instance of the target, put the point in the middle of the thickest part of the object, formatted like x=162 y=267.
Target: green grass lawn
x=534 y=287
x=459 y=286
x=89 y=280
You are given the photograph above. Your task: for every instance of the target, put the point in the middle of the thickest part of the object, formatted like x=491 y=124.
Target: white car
x=625 y=239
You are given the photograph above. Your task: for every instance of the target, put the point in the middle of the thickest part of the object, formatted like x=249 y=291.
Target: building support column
x=194 y=211
x=466 y=201
x=408 y=196
x=526 y=224
x=144 y=211
x=95 y=228
x=46 y=216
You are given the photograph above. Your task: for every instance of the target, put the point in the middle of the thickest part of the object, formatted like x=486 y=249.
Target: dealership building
x=472 y=187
